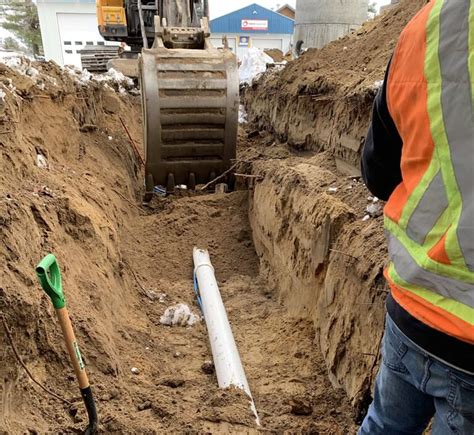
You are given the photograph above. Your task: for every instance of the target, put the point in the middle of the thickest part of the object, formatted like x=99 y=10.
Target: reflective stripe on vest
x=430 y=216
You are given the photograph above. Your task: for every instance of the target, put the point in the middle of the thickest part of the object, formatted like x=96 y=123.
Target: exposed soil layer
x=276 y=54
x=118 y=262
x=309 y=211
x=325 y=262
x=322 y=101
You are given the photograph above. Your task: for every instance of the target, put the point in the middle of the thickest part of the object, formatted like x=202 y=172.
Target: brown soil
x=299 y=269
x=308 y=213
x=113 y=253
x=275 y=54
x=323 y=100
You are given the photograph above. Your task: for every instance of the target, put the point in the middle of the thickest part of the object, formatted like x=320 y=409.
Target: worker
x=419 y=155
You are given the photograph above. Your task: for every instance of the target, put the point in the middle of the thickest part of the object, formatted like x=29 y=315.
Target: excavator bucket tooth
x=170 y=184
x=192 y=181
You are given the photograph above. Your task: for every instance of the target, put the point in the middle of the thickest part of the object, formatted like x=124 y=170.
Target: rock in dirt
x=144 y=406
x=301 y=406
x=173 y=383
x=221 y=188
x=41 y=161
x=2 y=102
x=24 y=86
x=208 y=368
x=154 y=296
x=88 y=128
x=73 y=411
x=375 y=210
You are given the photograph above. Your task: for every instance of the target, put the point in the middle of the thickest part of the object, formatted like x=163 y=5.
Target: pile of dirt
x=70 y=184
x=276 y=54
x=323 y=100
x=352 y=64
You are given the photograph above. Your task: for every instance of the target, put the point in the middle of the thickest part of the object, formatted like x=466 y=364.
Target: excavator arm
x=190 y=89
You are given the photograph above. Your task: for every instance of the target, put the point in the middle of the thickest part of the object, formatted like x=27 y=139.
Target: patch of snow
x=377 y=85
x=242 y=115
x=374 y=210
x=114 y=76
x=253 y=64
x=41 y=161
x=179 y=315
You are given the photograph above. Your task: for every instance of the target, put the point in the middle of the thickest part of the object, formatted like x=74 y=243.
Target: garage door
x=77 y=31
x=267 y=43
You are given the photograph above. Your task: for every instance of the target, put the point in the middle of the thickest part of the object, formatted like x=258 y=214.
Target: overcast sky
x=219 y=7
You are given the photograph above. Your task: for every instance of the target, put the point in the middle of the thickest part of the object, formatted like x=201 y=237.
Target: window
x=67 y=43
x=78 y=43
x=101 y=43
x=68 y=51
x=89 y=43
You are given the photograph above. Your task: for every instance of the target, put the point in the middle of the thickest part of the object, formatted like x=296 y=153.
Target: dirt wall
x=324 y=262
x=68 y=202
x=322 y=101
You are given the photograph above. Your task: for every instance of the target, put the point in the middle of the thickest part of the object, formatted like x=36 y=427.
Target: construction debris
x=179 y=315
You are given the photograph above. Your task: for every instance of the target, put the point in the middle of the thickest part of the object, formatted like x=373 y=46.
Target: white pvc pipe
x=229 y=369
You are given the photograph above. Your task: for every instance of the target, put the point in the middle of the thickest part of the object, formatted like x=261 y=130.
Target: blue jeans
x=412 y=387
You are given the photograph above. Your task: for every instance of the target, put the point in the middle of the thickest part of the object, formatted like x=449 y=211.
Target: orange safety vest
x=429 y=218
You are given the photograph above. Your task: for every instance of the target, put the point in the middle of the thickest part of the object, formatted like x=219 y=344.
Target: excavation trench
x=123 y=265
x=298 y=258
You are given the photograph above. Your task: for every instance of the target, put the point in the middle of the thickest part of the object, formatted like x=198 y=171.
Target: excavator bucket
x=190 y=93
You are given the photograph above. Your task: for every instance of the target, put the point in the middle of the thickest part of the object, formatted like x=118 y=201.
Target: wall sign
x=244 y=41
x=254 y=24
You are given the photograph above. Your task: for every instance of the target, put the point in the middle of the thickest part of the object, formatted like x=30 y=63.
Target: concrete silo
x=319 y=22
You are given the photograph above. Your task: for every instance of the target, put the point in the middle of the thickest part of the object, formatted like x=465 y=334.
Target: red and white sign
x=254 y=24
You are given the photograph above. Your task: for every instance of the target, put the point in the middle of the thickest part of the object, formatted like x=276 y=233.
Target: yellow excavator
x=190 y=89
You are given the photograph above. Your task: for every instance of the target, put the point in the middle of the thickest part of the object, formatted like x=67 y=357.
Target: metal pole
x=142 y=24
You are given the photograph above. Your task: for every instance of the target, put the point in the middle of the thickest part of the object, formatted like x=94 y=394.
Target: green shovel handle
x=49 y=277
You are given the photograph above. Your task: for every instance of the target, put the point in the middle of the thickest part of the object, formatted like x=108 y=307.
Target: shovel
x=49 y=276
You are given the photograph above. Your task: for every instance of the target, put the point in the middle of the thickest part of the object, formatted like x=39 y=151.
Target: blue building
x=253 y=26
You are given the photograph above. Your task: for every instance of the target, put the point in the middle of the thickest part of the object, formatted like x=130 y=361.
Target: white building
x=66 y=27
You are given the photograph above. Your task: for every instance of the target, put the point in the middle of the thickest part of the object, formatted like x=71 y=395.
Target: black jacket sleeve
x=382 y=152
